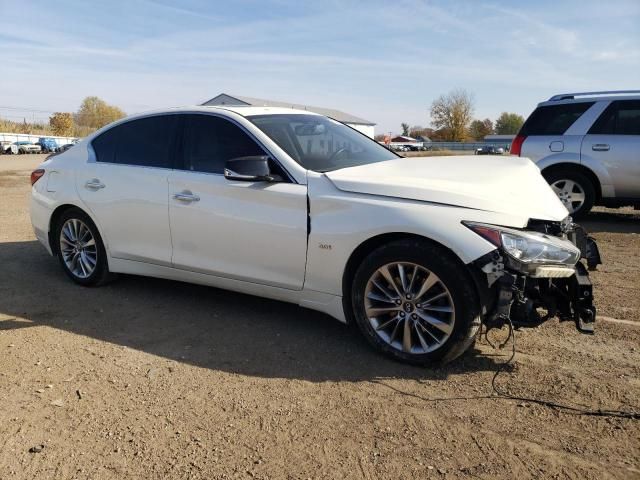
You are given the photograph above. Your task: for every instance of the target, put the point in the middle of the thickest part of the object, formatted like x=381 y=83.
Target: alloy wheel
x=570 y=193
x=409 y=307
x=78 y=248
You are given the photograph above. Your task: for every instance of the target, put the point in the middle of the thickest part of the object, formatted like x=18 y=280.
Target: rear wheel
x=574 y=189
x=80 y=249
x=414 y=302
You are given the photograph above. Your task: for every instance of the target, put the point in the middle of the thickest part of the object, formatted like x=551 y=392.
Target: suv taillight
x=36 y=175
x=516 y=145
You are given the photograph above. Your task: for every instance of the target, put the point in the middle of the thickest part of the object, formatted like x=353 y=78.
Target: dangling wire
x=572 y=408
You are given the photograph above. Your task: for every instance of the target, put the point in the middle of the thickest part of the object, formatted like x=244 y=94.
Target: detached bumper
x=529 y=299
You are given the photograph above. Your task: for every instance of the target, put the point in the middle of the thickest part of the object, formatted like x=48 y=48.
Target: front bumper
x=528 y=299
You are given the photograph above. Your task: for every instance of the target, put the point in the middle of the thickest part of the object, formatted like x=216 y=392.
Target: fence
x=454 y=145
x=465 y=146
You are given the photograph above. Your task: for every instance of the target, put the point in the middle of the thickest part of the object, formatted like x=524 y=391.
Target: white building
x=360 y=124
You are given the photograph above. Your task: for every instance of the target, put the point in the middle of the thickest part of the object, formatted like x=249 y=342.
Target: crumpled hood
x=502 y=184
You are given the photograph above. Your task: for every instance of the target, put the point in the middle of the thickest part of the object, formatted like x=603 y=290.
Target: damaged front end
x=536 y=274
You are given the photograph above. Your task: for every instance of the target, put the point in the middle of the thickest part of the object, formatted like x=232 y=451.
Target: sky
x=385 y=61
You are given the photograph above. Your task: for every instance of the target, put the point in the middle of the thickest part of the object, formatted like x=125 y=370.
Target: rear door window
x=554 y=119
x=146 y=142
x=621 y=117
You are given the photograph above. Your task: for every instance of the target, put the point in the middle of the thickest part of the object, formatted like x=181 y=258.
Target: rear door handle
x=186 y=197
x=94 y=184
x=600 y=147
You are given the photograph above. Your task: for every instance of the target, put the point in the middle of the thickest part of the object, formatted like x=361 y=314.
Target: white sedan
x=291 y=205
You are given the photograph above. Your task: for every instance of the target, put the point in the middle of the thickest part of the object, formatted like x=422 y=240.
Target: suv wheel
x=80 y=249
x=414 y=303
x=574 y=189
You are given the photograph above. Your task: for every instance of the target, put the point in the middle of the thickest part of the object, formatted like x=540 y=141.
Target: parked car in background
x=48 y=145
x=61 y=149
x=587 y=146
x=24 y=147
x=5 y=147
x=295 y=206
x=417 y=148
x=65 y=147
x=489 y=150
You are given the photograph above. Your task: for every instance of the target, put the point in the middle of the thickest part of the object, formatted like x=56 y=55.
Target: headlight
x=531 y=248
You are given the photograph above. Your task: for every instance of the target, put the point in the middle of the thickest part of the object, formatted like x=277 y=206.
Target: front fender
x=342 y=221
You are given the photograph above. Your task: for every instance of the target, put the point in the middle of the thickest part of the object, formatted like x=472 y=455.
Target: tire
x=99 y=274
x=582 y=184
x=454 y=287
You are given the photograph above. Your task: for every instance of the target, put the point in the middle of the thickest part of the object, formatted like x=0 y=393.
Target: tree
x=509 y=123
x=62 y=124
x=405 y=129
x=24 y=127
x=452 y=113
x=418 y=131
x=96 y=113
x=480 y=129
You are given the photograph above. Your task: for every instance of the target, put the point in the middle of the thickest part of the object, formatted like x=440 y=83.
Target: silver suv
x=588 y=148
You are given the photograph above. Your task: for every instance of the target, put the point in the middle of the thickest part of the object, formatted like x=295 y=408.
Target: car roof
x=240 y=110
x=565 y=98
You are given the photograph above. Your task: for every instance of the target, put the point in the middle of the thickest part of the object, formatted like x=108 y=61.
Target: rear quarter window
x=621 y=117
x=554 y=119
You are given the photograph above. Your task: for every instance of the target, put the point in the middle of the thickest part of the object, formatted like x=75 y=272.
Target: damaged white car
x=295 y=206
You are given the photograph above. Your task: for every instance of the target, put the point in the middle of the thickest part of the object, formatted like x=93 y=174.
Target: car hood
x=501 y=184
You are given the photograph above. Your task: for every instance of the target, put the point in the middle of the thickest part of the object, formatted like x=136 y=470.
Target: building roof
x=403 y=138
x=240 y=100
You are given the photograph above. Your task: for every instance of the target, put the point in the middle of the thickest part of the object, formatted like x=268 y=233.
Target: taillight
x=36 y=175
x=516 y=145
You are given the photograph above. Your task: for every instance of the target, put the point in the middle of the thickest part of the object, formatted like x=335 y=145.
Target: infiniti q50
x=295 y=206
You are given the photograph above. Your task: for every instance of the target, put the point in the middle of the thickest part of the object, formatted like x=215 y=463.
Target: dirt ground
x=149 y=378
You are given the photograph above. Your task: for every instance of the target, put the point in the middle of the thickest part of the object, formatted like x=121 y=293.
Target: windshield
x=319 y=143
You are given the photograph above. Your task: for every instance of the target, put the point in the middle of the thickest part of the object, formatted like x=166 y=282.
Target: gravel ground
x=148 y=378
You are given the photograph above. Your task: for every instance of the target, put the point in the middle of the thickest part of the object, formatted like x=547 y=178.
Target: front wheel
x=414 y=302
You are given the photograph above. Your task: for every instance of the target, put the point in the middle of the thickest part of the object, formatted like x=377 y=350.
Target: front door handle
x=94 y=184
x=186 y=197
x=600 y=147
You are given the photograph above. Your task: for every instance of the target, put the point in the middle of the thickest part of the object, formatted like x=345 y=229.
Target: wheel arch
x=58 y=212
x=590 y=174
x=371 y=244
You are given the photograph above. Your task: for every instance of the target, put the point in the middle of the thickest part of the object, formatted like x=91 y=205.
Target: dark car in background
x=490 y=150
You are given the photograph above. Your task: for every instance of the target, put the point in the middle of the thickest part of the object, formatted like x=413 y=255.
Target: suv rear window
x=554 y=119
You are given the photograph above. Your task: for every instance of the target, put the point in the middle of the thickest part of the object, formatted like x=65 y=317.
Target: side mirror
x=249 y=169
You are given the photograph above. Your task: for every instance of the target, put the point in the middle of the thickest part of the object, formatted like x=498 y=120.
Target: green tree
x=405 y=129
x=452 y=113
x=62 y=124
x=480 y=129
x=509 y=123
x=96 y=113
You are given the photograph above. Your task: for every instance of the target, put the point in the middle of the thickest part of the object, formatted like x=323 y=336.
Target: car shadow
x=202 y=326
x=612 y=221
